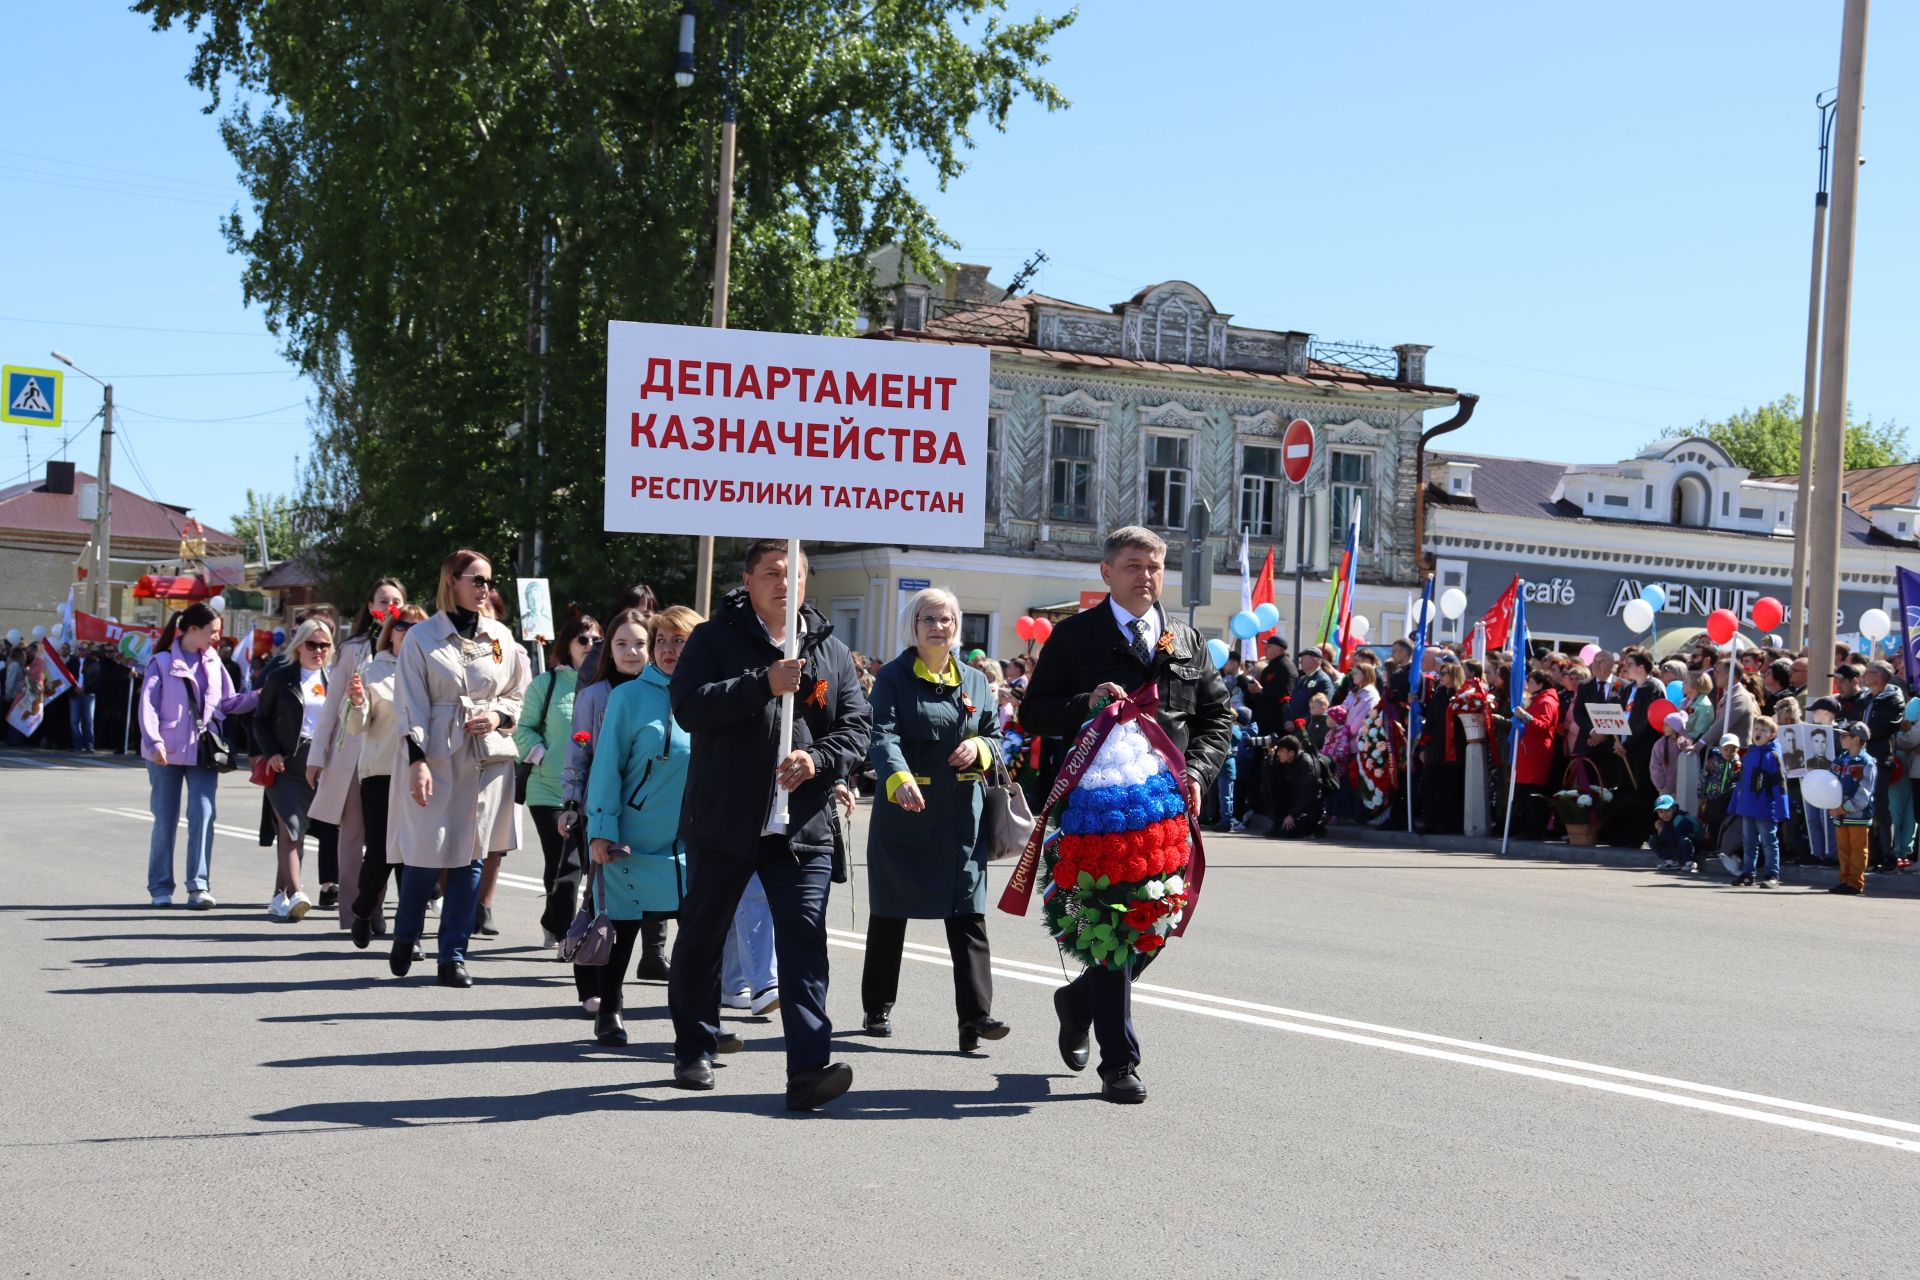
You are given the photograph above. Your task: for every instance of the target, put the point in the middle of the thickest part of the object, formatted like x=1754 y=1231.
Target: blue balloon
x=1655 y=595
x=1218 y=651
x=1676 y=692
x=1267 y=615
x=279 y=636
x=1245 y=625
x=1913 y=708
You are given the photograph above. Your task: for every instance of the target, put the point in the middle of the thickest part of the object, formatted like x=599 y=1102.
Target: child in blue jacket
x=1760 y=803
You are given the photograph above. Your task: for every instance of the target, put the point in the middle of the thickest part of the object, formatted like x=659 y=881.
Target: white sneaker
x=277 y=909
x=767 y=1001
x=200 y=900
x=1691 y=868
x=433 y=906
x=162 y=899
x=298 y=905
x=741 y=999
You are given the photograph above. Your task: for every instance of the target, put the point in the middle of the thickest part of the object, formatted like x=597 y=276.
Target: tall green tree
x=430 y=180
x=1766 y=440
x=286 y=523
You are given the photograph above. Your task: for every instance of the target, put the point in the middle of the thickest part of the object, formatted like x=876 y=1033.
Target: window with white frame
x=995 y=507
x=1350 y=480
x=1167 y=481
x=1261 y=486
x=1070 y=472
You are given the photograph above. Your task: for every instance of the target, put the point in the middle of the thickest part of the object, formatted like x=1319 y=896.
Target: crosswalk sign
x=32 y=396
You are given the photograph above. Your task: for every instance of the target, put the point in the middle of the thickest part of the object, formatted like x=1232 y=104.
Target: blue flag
x=1522 y=647
x=1909 y=586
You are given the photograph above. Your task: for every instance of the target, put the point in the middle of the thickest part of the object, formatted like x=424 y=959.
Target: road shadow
x=532 y=1013
x=1013 y=1095
x=290 y=988
x=121 y=962
x=544 y=1051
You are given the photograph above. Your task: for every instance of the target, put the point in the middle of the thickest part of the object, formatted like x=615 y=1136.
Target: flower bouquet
x=1115 y=870
x=1582 y=810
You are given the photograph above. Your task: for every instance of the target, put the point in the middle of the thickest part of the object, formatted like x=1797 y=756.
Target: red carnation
x=583 y=737
x=1149 y=943
x=1064 y=874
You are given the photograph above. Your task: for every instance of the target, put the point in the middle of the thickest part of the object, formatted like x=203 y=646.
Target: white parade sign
x=742 y=434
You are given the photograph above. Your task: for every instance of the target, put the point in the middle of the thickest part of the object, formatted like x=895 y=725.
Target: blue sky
x=1598 y=216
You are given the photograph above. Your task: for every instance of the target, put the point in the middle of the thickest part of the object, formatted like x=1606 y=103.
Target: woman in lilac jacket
x=185 y=689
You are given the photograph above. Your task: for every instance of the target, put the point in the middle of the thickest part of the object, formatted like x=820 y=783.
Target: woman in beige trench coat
x=333 y=762
x=457 y=696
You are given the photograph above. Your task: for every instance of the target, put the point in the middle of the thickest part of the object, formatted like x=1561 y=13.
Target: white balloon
x=1358 y=626
x=1874 y=624
x=1453 y=602
x=218 y=605
x=1638 y=615
x=1820 y=790
x=13 y=635
x=57 y=634
x=39 y=633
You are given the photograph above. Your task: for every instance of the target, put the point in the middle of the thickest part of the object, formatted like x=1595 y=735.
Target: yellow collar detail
x=950 y=677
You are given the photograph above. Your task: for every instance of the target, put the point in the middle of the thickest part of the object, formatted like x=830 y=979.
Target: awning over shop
x=152 y=586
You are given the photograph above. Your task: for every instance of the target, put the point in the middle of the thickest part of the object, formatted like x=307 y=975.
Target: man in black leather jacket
x=1103 y=653
x=726 y=694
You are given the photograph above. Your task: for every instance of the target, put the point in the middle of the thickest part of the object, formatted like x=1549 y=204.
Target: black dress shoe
x=974 y=1030
x=608 y=1029
x=1074 y=1049
x=329 y=895
x=877 y=1024
x=485 y=926
x=652 y=967
x=362 y=932
x=401 y=958
x=697 y=1074
x=728 y=1042
x=807 y=1090
x=1122 y=1084
x=455 y=975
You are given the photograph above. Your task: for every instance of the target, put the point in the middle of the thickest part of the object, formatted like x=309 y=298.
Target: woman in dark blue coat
x=935 y=736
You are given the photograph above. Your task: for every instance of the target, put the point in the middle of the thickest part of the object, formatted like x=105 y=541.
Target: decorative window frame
x=1077 y=408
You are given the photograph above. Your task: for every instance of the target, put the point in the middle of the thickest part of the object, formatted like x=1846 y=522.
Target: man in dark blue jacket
x=726 y=693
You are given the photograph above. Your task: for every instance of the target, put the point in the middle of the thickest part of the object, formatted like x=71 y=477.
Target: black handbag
x=214 y=751
x=522 y=771
x=589 y=939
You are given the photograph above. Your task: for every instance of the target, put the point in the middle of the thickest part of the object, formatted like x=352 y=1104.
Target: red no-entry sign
x=1296 y=450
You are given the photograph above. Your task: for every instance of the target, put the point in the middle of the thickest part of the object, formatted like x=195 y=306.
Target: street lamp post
x=732 y=11
x=1802 y=509
x=103 y=509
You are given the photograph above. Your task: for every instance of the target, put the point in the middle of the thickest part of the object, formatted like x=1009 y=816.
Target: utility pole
x=103 y=510
x=723 y=216
x=1803 y=507
x=1823 y=529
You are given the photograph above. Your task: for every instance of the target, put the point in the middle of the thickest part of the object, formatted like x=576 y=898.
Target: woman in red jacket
x=1533 y=772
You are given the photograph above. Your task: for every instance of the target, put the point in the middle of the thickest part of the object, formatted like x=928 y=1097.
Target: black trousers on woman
x=561 y=861
x=374 y=867
x=966 y=943
x=607 y=980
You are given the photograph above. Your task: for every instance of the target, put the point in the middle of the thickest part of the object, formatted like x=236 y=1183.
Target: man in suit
x=1639 y=690
x=1094 y=658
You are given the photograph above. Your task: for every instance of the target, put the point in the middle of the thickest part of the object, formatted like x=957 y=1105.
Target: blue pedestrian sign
x=915 y=584
x=32 y=396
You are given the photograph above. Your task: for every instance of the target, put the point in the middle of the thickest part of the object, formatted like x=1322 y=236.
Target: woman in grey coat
x=935 y=736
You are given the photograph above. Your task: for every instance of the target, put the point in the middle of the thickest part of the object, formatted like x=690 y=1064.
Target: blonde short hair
x=303 y=633
x=676 y=619
x=920 y=601
x=1768 y=723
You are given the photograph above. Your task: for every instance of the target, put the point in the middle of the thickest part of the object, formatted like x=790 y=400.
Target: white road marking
x=1302 y=1023
x=1415 y=1043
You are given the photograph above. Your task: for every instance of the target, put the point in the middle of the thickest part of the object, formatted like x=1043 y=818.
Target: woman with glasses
x=935 y=735
x=456 y=698
x=633 y=811
x=283 y=728
x=333 y=762
x=543 y=738
x=375 y=731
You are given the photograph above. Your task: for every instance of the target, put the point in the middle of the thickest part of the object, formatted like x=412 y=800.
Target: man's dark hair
x=1288 y=743
x=761 y=548
x=1782 y=672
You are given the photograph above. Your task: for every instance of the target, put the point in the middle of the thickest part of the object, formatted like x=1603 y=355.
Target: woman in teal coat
x=634 y=786
x=935 y=736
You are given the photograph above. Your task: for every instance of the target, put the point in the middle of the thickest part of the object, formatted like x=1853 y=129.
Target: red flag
x=1263 y=591
x=1499 y=619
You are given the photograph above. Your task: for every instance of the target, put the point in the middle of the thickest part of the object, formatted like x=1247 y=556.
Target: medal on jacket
x=496 y=648
x=1166 y=641
x=818 y=698
x=966 y=704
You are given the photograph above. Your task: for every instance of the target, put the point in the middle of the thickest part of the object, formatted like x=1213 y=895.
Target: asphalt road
x=1363 y=1062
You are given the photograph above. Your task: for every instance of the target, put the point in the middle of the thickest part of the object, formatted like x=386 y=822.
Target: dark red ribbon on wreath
x=1138 y=706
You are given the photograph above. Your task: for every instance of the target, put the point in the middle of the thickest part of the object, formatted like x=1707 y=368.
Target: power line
x=238 y=417
x=106 y=168
x=136 y=328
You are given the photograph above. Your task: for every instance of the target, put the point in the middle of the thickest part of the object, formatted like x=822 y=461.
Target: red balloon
x=1657 y=713
x=1023 y=627
x=1767 y=613
x=1042 y=628
x=1721 y=626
